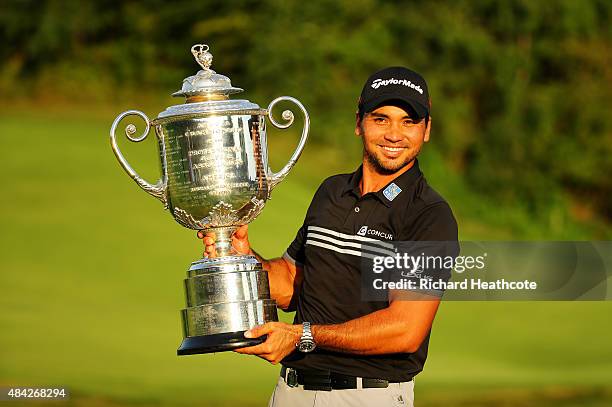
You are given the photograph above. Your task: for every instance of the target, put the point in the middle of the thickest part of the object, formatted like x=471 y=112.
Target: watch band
x=306 y=332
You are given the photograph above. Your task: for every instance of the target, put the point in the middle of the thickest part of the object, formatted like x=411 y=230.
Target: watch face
x=306 y=346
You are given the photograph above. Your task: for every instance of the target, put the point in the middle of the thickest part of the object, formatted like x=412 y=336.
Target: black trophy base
x=196 y=345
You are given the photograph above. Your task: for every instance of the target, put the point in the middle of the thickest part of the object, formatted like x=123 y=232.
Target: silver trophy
x=215 y=178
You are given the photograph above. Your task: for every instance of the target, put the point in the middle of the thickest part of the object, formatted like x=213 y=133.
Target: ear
x=357 y=125
x=427 y=130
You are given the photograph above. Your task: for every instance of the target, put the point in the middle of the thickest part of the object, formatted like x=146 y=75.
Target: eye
x=409 y=122
x=380 y=120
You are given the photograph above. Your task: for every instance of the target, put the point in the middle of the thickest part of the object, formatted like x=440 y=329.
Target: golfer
x=342 y=350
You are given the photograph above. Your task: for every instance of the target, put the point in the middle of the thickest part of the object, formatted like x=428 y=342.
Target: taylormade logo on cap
x=377 y=83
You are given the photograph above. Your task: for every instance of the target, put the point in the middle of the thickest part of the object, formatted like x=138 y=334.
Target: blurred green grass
x=92 y=269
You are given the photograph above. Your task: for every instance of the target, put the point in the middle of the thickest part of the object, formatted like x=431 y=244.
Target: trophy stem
x=223 y=241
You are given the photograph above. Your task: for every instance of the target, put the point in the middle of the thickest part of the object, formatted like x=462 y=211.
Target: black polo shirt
x=327 y=246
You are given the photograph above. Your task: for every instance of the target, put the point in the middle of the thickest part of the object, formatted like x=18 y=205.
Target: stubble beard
x=387 y=167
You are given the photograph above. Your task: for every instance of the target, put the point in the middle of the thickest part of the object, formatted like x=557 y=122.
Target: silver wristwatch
x=306 y=343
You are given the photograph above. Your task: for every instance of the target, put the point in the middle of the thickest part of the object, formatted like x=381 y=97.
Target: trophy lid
x=206 y=82
x=207 y=91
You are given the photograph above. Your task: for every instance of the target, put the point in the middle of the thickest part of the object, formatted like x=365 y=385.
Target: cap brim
x=411 y=106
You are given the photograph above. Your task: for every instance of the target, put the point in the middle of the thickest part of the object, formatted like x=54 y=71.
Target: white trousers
x=396 y=395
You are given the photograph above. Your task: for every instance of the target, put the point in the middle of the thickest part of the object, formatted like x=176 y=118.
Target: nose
x=394 y=134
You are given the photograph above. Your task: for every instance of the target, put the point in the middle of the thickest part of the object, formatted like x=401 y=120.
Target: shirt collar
x=403 y=181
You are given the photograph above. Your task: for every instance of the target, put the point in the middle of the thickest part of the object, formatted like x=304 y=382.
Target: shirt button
x=357 y=209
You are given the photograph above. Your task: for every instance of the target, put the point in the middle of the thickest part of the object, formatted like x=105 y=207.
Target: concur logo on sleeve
x=377 y=83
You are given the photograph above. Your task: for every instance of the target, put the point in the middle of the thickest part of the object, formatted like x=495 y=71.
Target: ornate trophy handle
x=276 y=177
x=159 y=189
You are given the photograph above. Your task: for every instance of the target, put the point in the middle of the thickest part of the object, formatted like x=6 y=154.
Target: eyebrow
x=386 y=116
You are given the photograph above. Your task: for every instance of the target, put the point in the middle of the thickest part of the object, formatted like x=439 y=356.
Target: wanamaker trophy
x=216 y=178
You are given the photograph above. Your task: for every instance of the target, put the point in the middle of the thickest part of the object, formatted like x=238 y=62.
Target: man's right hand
x=240 y=242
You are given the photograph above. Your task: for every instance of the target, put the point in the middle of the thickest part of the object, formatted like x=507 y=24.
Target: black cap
x=395 y=84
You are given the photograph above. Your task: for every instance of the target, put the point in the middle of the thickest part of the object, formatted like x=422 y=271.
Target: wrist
x=298 y=330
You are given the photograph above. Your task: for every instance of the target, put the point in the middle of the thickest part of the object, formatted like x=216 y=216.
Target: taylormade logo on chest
x=377 y=83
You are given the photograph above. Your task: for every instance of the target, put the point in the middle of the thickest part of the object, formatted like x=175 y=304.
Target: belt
x=326 y=381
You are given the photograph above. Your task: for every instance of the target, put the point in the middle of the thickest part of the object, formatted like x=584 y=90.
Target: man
x=342 y=349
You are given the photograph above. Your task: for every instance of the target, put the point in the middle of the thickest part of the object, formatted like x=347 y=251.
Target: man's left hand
x=280 y=342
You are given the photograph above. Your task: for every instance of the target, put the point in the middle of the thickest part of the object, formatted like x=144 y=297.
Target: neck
x=373 y=181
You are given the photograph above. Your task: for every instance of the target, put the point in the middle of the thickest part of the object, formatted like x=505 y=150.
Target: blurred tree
x=521 y=90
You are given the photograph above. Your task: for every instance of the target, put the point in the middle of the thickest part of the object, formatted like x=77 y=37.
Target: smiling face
x=391 y=138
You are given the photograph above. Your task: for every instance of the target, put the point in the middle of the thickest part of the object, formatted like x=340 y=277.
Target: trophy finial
x=202 y=56
x=206 y=84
